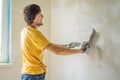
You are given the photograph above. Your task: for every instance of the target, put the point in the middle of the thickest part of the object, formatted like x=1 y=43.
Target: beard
x=39 y=24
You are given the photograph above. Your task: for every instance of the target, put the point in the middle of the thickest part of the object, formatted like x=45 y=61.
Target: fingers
x=85 y=45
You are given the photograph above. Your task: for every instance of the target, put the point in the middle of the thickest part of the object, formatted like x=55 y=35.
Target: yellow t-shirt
x=32 y=45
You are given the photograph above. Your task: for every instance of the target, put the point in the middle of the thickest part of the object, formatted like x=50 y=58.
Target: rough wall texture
x=73 y=20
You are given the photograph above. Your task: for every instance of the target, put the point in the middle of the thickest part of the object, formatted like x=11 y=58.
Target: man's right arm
x=60 y=50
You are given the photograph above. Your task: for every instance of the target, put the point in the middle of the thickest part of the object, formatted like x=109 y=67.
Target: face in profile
x=38 y=19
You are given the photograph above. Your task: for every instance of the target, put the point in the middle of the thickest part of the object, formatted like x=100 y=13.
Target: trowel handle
x=85 y=45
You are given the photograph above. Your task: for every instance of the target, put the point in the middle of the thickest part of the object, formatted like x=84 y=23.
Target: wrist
x=82 y=50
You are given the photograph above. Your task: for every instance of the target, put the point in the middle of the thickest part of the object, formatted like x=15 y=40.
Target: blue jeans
x=33 y=77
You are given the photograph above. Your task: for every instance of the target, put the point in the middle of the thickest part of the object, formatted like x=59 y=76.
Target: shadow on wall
x=94 y=49
x=100 y=57
x=95 y=52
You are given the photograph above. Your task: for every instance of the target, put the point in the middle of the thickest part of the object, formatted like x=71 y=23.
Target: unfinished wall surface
x=73 y=20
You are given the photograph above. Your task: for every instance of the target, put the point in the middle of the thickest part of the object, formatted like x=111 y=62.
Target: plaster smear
x=74 y=20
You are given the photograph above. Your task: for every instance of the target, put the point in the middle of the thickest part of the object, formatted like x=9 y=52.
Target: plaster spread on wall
x=74 y=21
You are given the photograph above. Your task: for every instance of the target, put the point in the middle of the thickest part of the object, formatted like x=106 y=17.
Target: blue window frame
x=5 y=31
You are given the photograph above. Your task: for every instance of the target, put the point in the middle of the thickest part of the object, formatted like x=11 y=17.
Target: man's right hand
x=85 y=45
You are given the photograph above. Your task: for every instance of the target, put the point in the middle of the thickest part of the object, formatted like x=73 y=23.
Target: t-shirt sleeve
x=41 y=41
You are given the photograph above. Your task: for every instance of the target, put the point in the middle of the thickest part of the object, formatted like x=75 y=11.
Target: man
x=33 y=43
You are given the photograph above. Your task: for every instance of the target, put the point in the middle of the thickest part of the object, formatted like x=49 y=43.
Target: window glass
x=5 y=30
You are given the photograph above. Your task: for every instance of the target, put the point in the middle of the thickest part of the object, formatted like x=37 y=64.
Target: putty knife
x=90 y=41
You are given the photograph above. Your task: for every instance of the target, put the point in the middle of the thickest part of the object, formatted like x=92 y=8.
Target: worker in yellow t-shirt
x=33 y=44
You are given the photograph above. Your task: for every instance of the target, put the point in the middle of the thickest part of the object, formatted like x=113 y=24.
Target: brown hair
x=30 y=13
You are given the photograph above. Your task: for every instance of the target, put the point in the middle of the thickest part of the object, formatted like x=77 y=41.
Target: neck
x=33 y=26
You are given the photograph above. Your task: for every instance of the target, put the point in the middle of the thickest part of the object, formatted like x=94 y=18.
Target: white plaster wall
x=13 y=71
x=73 y=20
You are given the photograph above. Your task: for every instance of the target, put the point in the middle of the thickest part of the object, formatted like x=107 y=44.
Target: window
x=5 y=31
x=0 y=24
